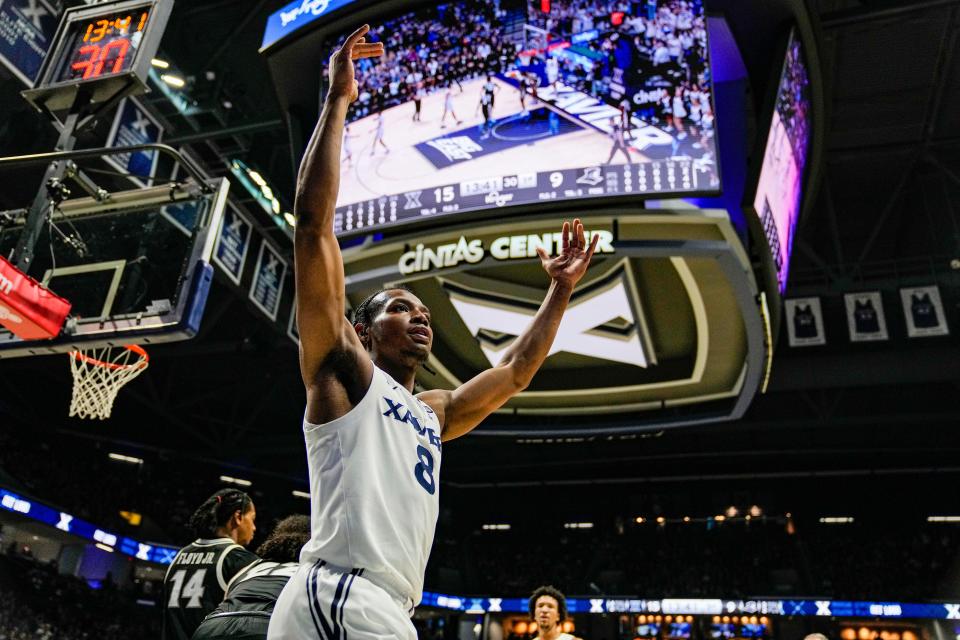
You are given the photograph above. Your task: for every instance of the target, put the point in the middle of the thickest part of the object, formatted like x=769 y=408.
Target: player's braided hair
x=367 y=310
x=553 y=592
x=217 y=510
x=287 y=538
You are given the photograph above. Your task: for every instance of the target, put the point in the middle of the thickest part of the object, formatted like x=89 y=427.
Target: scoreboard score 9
x=103 y=50
x=102 y=45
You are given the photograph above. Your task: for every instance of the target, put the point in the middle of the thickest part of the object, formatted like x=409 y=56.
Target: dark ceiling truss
x=869 y=243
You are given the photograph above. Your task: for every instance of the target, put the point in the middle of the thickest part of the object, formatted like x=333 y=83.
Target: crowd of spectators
x=428 y=50
x=38 y=603
x=793 y=102
x=733 y=560
x=661 y=46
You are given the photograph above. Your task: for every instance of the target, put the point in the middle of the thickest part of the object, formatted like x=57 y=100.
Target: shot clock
x=102 y=46
x=101 y=52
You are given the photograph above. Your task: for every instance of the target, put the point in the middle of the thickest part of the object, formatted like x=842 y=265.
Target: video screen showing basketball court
x=469 y=109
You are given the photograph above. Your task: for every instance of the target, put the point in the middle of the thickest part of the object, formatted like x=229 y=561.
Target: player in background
x=198 y=576
x=252 y=594
x=548 y=608
x=418 y=95
x=522 y=84
x=490 y=88
x=373 y=448
x=553 y=73
x=448 y=108
x=619 y=142
x=348 y=137
x=485 y=105
x=377 y=131
x=626 y=116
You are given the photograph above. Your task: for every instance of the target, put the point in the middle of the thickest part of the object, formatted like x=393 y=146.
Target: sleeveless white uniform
x=374 y=494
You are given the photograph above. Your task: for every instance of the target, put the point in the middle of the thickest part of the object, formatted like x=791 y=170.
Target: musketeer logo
x=601 y=320
x=423 y=258
x=311 y=7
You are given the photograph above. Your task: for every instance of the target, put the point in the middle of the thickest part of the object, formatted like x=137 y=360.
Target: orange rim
x=137 y=349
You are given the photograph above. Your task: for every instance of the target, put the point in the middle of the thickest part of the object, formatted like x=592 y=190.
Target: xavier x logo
x=34 y=12
x=602 y=320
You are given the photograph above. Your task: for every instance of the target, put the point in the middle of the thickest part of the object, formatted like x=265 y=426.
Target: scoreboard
x=667 y=176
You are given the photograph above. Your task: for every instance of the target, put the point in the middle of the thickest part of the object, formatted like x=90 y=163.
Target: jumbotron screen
x=474 y=107
x=780 y=187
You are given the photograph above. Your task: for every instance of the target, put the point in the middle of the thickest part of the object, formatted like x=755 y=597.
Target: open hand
x=343 y=82
x=574 y=258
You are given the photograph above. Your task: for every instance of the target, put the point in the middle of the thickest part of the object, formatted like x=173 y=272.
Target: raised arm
x=465 y=407
x=317 y=259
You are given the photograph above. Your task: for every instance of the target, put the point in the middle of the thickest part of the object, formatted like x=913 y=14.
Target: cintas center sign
x=664 y=326
x=517 y=247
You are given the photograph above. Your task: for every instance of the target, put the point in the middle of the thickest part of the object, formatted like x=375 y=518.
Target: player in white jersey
x=548 y=608
x=373 y=448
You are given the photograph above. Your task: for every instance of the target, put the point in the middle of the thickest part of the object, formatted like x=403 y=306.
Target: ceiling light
x=301 y=494
x=122 y=458
x=237 y=481
x=160 y=64
x=173 y=81
x=836 y=520
x=289 y=217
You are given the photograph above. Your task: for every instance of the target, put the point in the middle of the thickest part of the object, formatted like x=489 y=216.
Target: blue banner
x=133 y=126
x=233 y=243
x=708 y=606
x=26 y=28
x=295 y=16
x=268 y=281
x=83 y=529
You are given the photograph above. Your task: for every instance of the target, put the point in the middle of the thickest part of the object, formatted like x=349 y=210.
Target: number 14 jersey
x=375 y=488
x=196 y=581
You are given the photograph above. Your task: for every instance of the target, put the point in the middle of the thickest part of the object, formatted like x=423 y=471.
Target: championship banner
x=26 y=28
x=133 y=125
x=233 y=244
x=866 y=320
x=268 y=281
x=923 y=311
x=804 y=322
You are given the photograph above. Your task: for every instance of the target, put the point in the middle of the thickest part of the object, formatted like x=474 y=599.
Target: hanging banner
x=923 y=311
x=292 y=329
x=804 y=322
x=133 y=125
x=26 y=28
x=268 y=281
x=865 y=318
x=233 y=243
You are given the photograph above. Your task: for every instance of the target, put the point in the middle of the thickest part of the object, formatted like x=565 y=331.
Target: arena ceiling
x=886 y=210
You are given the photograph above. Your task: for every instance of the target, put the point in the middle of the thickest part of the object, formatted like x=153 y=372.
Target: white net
x=98 y=374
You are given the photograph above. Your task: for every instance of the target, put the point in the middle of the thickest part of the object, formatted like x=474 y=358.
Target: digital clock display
x=101 y=46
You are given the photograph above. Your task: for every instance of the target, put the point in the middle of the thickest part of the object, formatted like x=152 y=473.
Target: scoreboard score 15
x=103 y=45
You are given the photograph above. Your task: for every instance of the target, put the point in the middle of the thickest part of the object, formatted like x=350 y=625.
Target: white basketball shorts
x=330 y=603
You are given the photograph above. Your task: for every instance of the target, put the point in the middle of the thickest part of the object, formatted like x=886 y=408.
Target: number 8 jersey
x=375 y=488
x=196 y=581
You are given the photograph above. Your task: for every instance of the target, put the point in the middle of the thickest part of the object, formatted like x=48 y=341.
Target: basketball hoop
x=98 y=374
